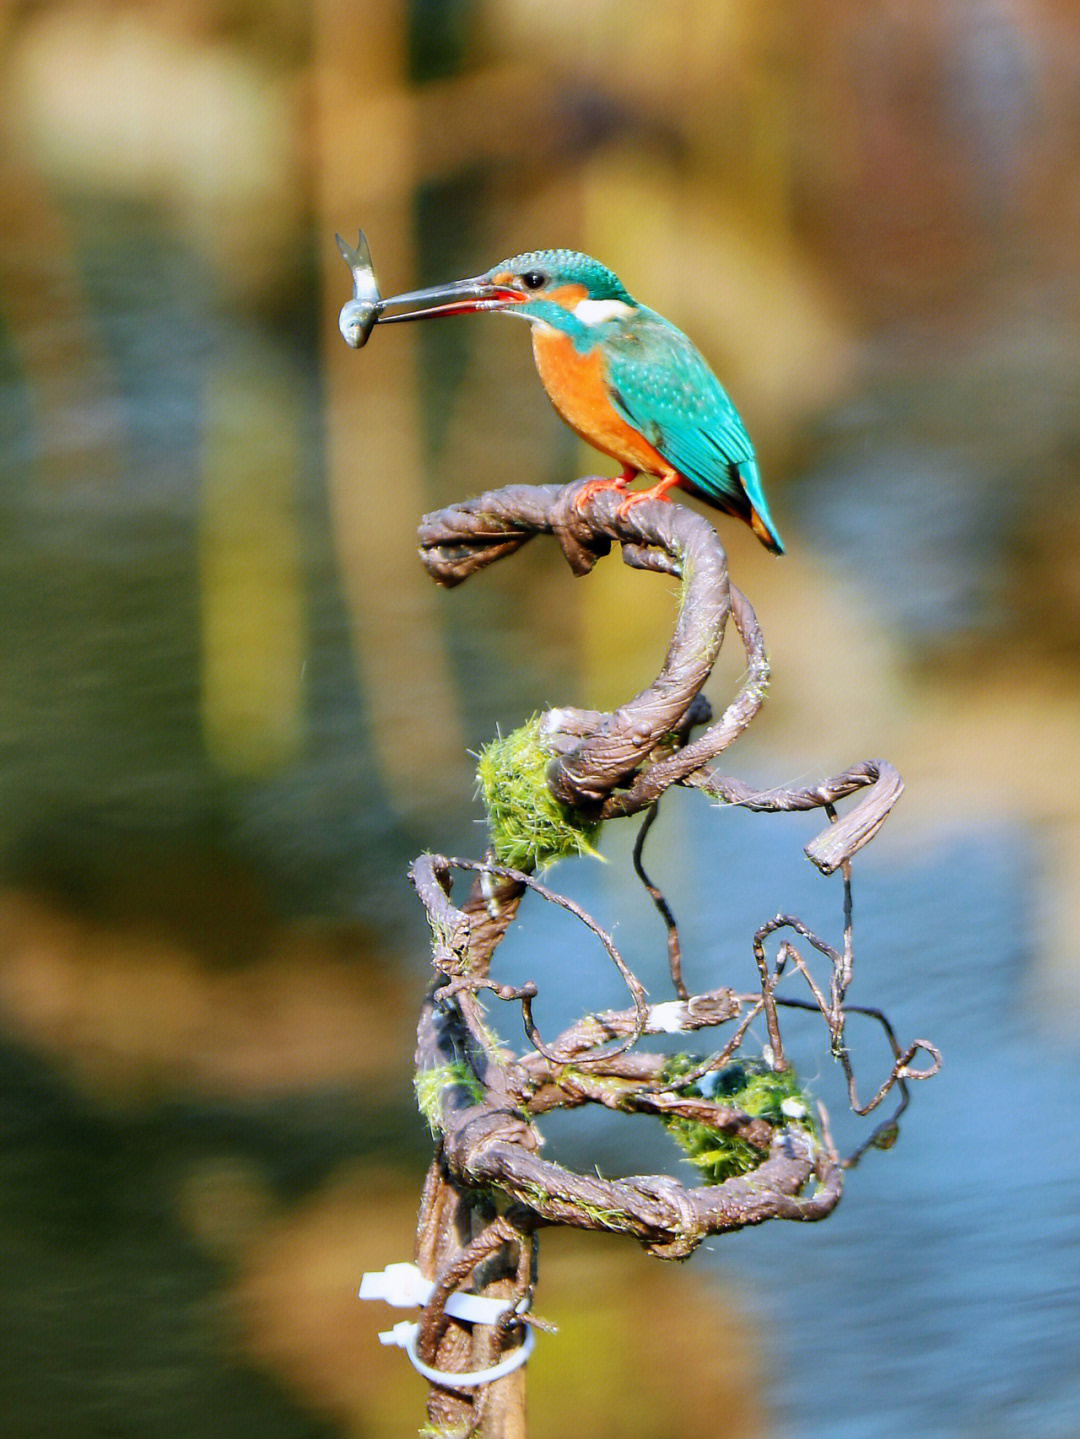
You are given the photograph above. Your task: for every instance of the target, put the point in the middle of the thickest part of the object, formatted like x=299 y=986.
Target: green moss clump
x=750 y=1085
x=529 y=827
x=430 y=1083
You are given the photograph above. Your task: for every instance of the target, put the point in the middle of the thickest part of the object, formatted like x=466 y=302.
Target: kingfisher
x=620 y=375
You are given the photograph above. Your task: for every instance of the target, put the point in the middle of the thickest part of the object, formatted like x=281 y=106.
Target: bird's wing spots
x=662 y=386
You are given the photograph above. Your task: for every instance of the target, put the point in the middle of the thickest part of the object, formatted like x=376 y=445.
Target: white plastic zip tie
x=404 y=1336
x=669 y=1017
x=403 y=1286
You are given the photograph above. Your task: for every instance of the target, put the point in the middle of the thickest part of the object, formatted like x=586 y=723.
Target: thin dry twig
x=656 y=894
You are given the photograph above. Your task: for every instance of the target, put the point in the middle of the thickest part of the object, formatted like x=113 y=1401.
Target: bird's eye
x=533 y=279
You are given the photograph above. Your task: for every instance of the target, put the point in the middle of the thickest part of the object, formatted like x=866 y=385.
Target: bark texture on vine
x=768 y=1154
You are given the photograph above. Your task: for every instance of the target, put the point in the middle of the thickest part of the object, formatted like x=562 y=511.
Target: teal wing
x=661 y=385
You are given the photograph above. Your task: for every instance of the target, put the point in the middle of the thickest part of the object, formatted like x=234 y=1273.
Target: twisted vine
x=489 y=1191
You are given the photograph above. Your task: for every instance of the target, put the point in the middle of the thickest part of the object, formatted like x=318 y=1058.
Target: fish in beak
x=358 y=316
x=367 y=307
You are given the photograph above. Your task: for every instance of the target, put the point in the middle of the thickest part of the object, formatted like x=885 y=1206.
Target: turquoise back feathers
x=661 y=384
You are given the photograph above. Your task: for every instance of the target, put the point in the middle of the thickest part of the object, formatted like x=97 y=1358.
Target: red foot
x=595 y=487
x=659 y=491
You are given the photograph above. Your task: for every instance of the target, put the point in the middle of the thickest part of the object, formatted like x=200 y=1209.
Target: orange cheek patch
x=567 y=295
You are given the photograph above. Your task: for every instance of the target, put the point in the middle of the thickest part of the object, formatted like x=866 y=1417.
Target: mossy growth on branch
x=750 y=1085
x=529 y=827
x=430 y=1083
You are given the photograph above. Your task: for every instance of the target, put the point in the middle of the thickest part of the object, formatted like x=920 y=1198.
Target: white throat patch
x=598 y=312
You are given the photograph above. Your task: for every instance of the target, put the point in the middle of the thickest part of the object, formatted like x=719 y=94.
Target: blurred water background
x=232 y=707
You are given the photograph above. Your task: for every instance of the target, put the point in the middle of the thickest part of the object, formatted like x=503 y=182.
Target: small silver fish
x=358 y=317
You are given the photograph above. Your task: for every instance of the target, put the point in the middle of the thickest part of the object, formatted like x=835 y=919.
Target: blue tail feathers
x=761 y=522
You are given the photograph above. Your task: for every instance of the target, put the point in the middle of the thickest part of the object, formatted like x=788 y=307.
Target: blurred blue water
x=943 y=1295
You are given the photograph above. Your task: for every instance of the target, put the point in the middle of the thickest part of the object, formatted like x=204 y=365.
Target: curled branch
x=840 y=841
x=485 y=1124
x=482 y=1099
x=458 y=541
x=614 y=764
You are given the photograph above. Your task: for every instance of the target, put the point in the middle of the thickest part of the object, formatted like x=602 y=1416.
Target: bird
x=624 y=379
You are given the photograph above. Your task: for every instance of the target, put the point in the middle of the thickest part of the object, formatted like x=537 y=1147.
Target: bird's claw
x=596 y=487
x=636 y=499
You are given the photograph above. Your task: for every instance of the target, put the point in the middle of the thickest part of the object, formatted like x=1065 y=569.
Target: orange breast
x=575 y=385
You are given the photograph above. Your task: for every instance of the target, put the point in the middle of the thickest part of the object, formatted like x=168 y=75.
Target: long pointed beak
x=460 y=297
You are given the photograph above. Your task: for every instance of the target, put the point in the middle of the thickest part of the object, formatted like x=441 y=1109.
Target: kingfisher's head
x=538 y=285
x=561 y=277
